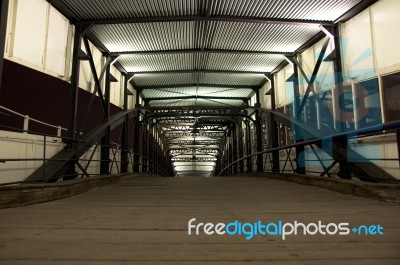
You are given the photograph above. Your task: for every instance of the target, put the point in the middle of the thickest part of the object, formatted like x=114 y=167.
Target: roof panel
x=305 y=9
x=243 y=62
x=165 y=93
x=259 y=37
x=285 y=9
x=160 y=62
x=147 y=36
x=92 y=9
x=231 y=79
x=163 y=79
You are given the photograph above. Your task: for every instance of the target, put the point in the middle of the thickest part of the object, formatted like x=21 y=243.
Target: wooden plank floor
x=144 y=221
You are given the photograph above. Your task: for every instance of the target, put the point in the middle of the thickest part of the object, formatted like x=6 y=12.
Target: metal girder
x=177 y=127
x=194 y=71
x=192 y=142
x=191 y=51
x=187 y=134
x=196 y=85
x=304 y=22
x=194 y=111
x=202 y=149
x=198 y=159
x=196 y=97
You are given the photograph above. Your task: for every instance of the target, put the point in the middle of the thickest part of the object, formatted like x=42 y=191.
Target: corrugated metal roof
x=164 y=62
x=231 y=79
x=286 y=9
x=90 y=9
x=163 y=79
x=220 y=35
x=259 y=37
x=210 y=61
x=199 y=91
x=197 y=102
x=189 y=35
x=148 y=36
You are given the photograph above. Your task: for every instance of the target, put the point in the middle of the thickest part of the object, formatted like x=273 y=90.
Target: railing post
x=26 y=124
x=59 y=131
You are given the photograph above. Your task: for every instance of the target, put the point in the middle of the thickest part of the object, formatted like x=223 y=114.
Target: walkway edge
x=381 y=192
x=27 y=194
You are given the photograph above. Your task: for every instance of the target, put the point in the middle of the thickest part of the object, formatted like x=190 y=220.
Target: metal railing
x=314 y=144
x=27 y=119
x=147 y=165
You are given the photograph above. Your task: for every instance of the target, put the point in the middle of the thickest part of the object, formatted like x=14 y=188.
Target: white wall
x=24 y=146
x=40 y=37
x=372 y=41
x=37 y=36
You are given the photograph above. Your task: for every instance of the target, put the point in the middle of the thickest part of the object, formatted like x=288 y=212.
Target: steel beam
x=194 y=71
x=196 y=97
x=136 y=145
x=236 y=19
x=106 y=140
x=3 y=32
x=314 y=76
x=196 y=85
x=248 y=147
x=340 y=144
x=274 y=129
x=205 y=51
x=125 y=131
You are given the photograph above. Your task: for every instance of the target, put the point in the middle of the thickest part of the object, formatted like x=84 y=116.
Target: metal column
x=340 y=144
x=3 y=32
x=73 y=111
x=106 y=140
x=274 y=128
x=248 y=146
x=136 y=145
x=297 y=111
x=125 y=131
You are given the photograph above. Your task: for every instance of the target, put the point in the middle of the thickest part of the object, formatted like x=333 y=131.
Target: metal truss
x=198 y=159
x=191 y=142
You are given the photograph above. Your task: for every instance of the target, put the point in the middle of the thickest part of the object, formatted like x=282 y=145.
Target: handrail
x=27 y=119
x=359 y=132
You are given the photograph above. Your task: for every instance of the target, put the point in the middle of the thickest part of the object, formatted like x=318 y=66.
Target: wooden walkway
x=144 y=221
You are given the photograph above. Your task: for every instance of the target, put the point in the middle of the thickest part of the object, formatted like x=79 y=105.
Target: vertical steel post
x=300 y=169
x=3 y=33
x=145 y=147
x=106 y=140
x=136 y=144
x=235 y=149
x=73 y=111
x=248 y=147
x=125 y=131
x=274 y=129
x=240 y=145
x=340 y=144
x=258 y=127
